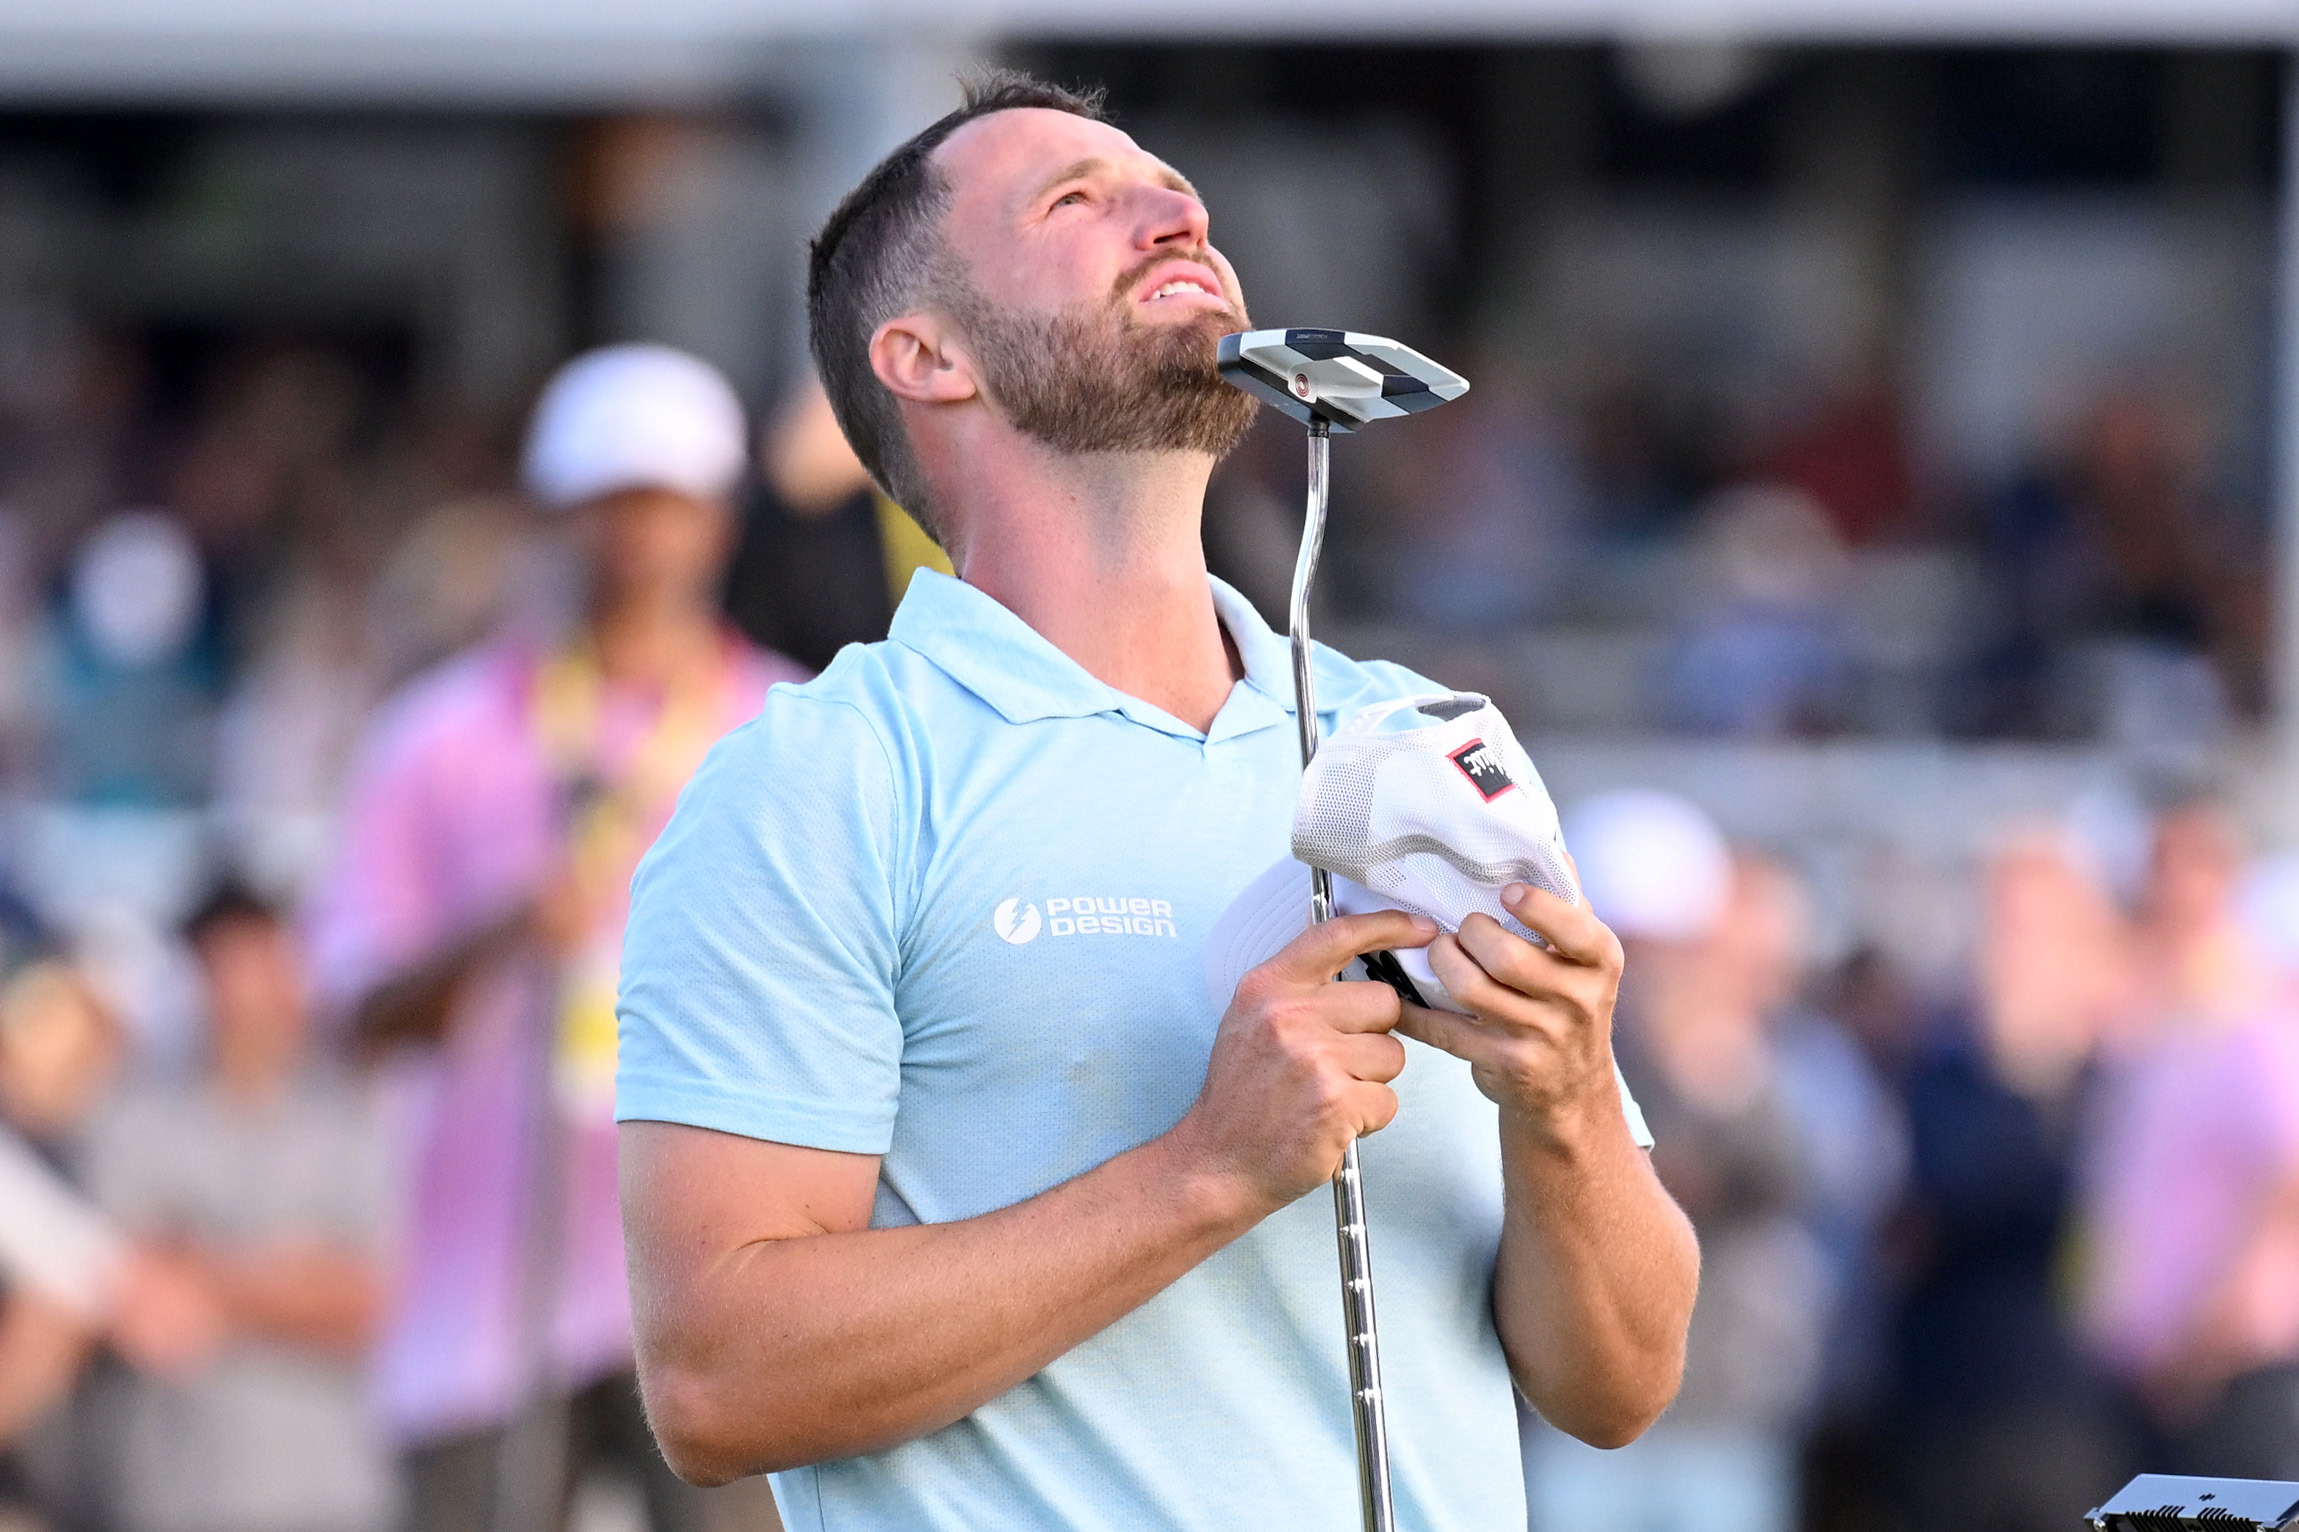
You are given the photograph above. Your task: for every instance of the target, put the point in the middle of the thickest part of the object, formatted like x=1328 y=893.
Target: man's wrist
x=1212 y=1194
x=1569 y=1129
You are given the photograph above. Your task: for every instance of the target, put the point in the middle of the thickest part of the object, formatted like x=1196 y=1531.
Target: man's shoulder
x=854 y=725
x=885 y=691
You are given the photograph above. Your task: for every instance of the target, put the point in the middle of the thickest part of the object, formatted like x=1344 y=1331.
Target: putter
x=1336 y=380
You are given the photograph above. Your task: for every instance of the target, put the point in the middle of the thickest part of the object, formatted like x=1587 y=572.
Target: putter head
x=2162 y=1502
x=1337 y=376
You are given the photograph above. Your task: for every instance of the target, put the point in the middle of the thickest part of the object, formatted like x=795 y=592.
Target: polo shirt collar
x=1014 y=668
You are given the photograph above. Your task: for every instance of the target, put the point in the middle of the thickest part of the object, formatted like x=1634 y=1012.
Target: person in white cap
x=955 y=1201
x=473 y=924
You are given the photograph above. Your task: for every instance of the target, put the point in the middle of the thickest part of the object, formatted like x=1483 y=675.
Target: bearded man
x=952 y=1198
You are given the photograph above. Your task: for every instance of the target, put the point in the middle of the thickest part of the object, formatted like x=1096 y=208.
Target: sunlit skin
x=775 y=1327
x=1100 y=553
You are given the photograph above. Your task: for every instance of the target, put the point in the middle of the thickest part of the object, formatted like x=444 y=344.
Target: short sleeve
x=760 y=960
x=1637 y=1127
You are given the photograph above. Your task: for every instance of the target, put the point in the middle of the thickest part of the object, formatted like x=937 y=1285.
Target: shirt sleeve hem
x=754 y=1114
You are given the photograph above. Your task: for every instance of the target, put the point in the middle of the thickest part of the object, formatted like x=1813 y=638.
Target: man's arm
x=776 y=1328
x=1598 y=1267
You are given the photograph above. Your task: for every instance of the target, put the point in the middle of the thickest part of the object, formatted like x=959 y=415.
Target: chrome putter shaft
x=1334 y=380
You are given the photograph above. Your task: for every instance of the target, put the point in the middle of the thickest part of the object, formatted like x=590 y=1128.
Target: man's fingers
x=1447 y=1031
x=1376 y=1107
x=1572 y=931
x=1320 y=952
x=1469 y=982
x=1373 y=1056
x=1512 y=961
x=1359 y=1007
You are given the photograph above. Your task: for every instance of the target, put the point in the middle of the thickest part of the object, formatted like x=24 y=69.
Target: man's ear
x=920 y=357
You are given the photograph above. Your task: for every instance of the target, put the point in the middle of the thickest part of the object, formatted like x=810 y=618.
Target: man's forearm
x=792 y=1351
x=1596 y=1277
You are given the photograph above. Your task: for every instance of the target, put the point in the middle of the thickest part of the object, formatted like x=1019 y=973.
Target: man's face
x=1088 y=288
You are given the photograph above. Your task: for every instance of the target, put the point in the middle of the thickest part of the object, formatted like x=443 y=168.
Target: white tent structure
x=859 y=73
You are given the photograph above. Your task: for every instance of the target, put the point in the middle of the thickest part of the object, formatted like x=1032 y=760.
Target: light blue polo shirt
x=946 y=904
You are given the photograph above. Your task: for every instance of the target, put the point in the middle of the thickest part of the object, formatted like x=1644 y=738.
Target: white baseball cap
x=1654 y=865
x=636 y=416
x=1427 y=805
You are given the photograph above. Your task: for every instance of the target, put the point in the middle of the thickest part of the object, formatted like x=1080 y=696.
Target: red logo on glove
x=1481 y=764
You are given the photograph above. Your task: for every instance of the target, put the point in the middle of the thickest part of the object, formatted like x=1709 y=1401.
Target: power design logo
x=1016 y=922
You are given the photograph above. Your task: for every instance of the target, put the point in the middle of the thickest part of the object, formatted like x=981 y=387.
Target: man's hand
x=1540 y=1043
x=1302 y=1063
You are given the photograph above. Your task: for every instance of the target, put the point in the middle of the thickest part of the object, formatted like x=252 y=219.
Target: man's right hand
x=1302 y=1063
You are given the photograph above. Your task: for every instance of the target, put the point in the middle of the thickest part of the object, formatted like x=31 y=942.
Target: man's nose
x=1173 y=218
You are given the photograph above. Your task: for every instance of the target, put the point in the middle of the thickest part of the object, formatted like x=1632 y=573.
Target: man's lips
x=1181 y=281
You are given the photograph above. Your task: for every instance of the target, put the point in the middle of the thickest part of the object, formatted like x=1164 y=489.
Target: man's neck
x=1103 y=556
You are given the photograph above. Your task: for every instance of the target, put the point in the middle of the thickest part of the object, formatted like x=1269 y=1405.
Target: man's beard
x=1091 y=379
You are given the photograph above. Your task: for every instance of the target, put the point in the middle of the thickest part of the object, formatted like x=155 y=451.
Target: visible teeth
x=1171 y=288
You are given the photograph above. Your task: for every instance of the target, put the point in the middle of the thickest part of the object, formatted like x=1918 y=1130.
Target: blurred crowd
x=1800 y=579
x=1973 y=1257
x=330 y=732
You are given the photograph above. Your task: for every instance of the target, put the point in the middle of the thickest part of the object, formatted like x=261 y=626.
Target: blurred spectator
x=331 y=651
x=496 y=815
x=260 y=1185
x=1490 y=524
x=2002 y=1424
x=1847 y=1118
x=825 y=558
x=1713 y=946
x=1762 y=652
x=2194 y=1292
x=1851 y=457
x=20 y=659
x=2121 y=545
x=59 y=1052
x=136 y=669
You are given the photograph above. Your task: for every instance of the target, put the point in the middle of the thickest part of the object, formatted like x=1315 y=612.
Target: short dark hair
x=879 y=254
x=229 y=903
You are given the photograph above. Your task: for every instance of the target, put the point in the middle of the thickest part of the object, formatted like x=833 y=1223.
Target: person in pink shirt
x=471 y=932
x=2193 y=1292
